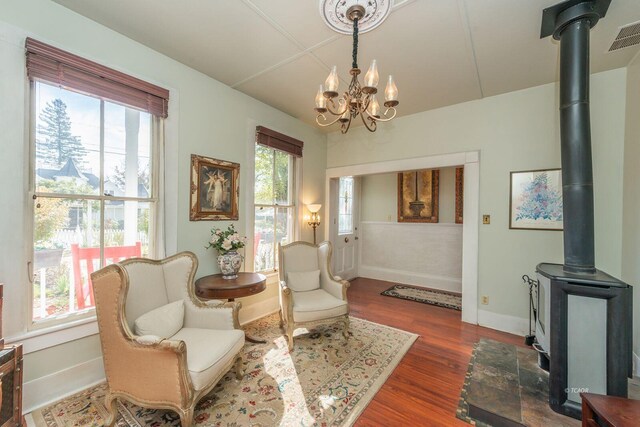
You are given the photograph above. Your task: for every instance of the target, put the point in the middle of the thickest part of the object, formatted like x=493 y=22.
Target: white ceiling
x=441 y=52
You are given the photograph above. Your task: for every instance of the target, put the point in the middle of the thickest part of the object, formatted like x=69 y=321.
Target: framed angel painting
x=214 y=189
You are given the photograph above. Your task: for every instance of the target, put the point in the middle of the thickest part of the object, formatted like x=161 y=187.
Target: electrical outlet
x=485 y=300
x=486 y=219
x=388 y=217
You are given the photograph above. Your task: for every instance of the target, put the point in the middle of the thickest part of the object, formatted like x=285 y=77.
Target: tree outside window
x=274 y=205
x=93 y=192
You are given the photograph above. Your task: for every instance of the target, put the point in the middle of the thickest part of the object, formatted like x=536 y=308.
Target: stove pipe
x=570 y=22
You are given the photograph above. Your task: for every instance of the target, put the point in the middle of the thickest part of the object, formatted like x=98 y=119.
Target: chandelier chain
x=355 y=43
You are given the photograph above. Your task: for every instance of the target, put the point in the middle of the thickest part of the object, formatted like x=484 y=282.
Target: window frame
x=351 y=214
x=295 y=195
x=89 y=314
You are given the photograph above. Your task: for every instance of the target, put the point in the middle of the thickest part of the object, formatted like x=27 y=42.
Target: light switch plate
x=486 y=219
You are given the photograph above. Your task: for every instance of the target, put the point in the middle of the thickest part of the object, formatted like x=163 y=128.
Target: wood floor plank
x=425 y=387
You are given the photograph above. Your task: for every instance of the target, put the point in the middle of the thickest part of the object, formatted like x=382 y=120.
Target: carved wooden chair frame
x=189 y=397
x=286 y=297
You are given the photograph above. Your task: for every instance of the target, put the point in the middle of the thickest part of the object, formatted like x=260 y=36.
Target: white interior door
x=345 y=221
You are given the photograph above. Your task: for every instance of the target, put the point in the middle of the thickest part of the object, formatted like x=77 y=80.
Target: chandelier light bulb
x=372 y=77
x=374 y=107
x=321 y=101
x=332 y=81
x=391 y=92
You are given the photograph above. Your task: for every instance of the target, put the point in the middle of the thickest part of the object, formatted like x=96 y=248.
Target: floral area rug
x=426 y=296
x=325 y=381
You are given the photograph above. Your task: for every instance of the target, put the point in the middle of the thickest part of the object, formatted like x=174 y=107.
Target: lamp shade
x=314 y=208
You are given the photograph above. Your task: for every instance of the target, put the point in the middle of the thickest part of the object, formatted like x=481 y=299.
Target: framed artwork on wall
x=418 y=195
x=214 y=189
x=459 y=194
x=536 y=200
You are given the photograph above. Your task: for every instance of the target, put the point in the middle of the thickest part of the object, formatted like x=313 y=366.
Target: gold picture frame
x=420 y=206
x=215 y=189
x=459 y=195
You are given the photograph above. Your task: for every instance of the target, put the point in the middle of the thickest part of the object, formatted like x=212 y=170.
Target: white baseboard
x=502 y=322
x=50 y=388
x=411 y=278
x=43 y=391
x=258 y=310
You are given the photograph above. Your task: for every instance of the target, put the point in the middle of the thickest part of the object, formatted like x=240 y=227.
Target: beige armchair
x=171 y=372
x=309 y=293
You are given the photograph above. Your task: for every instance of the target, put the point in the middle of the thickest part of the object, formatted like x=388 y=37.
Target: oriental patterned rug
x=425 y=295
x=324 y=381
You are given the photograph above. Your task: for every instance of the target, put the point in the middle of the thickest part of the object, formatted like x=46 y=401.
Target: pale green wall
x=447 y=205
x=379 y=196
x=514 y=131
x=631 y=214
x=206 y=117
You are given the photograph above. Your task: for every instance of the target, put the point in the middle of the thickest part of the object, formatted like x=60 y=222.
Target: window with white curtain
x=95 y=145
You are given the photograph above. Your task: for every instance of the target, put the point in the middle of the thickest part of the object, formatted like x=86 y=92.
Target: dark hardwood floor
x=425 y=387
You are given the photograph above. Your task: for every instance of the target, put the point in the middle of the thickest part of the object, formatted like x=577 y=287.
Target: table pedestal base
x=253 y=340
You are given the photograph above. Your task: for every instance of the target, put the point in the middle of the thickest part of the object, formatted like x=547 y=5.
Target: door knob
x=356 y=238
x=346 y=240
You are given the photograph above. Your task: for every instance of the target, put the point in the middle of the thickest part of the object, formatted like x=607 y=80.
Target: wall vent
x=629 y=35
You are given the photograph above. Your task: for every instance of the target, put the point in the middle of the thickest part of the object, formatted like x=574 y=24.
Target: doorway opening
x=352 y=254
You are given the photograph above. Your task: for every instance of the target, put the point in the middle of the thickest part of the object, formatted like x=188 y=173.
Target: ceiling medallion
x=335 y=15
x=357 y=100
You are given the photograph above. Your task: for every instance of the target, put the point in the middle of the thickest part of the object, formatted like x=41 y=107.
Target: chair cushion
x=302 y=281
x=163 y=321
x=208 y=352
x=317 y=305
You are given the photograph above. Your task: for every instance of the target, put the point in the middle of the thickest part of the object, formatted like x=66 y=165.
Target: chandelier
x=358 y=100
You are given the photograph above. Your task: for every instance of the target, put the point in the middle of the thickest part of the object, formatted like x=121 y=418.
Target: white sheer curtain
x=157 y=130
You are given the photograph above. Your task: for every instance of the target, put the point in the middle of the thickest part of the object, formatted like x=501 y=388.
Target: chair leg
x=290 y=335
x=111 y=403
x=239 y=370
x=345 y=330
x=281 y=318
x=186 y=417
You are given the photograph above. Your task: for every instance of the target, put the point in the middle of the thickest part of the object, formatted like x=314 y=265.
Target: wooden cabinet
x=11 y=386
x=609 y=411
x=10 y=381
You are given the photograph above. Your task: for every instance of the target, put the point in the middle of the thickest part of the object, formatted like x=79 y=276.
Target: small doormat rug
x=324 y=381
x=505 y=387
x=426 y=296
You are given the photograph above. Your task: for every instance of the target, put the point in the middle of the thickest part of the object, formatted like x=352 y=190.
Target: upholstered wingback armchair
x=162 y=346
x=309 y=293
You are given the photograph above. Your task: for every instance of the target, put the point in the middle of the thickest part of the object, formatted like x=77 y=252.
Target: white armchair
x=309 y=293
x=162 y=346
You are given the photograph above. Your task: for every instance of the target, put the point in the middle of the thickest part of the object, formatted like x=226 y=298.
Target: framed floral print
x=214 y=189
x=536 y=200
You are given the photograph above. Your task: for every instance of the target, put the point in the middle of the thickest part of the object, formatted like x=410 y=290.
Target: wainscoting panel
x=428 y=255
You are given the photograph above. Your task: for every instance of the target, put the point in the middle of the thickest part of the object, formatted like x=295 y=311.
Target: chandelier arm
x=325 y=118
x=335 y=113
x=346 y=126
x=372 y=126
x=387 y=119
x=365 y=104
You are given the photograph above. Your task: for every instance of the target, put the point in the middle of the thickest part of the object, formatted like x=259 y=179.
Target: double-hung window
x=94 y=177
x=275 y=195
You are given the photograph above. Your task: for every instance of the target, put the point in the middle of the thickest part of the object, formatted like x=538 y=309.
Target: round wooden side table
x=246 y=284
